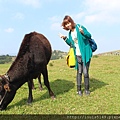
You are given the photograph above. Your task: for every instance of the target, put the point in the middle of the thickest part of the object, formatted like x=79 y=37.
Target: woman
x=78 y=39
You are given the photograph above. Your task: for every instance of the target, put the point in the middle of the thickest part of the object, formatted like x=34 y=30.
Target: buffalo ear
x=7 y=87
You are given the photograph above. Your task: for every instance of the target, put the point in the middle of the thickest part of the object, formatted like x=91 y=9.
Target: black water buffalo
x=31 y=61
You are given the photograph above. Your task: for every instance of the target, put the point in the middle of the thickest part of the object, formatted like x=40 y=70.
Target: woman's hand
x=62 y=36
x=81 y=30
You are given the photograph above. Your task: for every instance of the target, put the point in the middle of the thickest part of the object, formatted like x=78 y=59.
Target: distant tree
x=57 y=54
x=5 y=59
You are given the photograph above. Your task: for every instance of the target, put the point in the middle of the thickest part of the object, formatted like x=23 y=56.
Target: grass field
x=104 y=87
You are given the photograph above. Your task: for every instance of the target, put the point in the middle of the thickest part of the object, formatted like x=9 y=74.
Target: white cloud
x=19 y=16
x=55 y=18
x=56 y=26
x=55 y=23
x=9 y=30
x=102 y=17
x=33 y=3
x=101 y=11
x=79 y=15
x=99 y=5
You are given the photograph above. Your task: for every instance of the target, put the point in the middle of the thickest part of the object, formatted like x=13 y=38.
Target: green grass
x=104 y=87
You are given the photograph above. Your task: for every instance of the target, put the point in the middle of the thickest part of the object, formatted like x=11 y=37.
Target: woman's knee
x=86 y=75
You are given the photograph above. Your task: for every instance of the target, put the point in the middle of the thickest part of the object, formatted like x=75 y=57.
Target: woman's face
x=68 y=25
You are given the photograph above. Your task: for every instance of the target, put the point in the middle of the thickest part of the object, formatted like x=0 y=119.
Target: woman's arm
x=84 y=31
x=65 y=39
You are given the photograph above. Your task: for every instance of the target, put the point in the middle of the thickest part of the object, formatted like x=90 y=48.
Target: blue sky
x=20 y=17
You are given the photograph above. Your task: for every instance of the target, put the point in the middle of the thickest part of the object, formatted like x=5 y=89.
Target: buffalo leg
x=33 y=86
x=30 y=97
x=46 y=82
x=39 y=81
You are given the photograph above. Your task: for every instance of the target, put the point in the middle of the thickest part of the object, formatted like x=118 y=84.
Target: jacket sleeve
x=86 y=33
x=67 y=40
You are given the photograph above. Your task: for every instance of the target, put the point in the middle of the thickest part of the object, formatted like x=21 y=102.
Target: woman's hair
x=66 y=20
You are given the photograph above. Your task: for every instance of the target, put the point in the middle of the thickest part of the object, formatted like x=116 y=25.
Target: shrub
x=50 y=64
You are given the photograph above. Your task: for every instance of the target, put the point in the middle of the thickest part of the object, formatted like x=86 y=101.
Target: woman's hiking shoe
x=79 y=93
x=87 y=92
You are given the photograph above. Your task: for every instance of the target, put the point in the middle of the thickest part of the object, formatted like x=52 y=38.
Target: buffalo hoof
x=29 y=101
x=2 y=108
x=41 y=88
x=33 y=88
x=53 y=97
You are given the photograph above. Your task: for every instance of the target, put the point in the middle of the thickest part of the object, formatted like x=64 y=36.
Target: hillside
x=57 y=54
x=5 y=59
x=116 y=52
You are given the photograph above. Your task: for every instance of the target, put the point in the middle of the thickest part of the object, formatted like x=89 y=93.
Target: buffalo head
x=7 y=92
